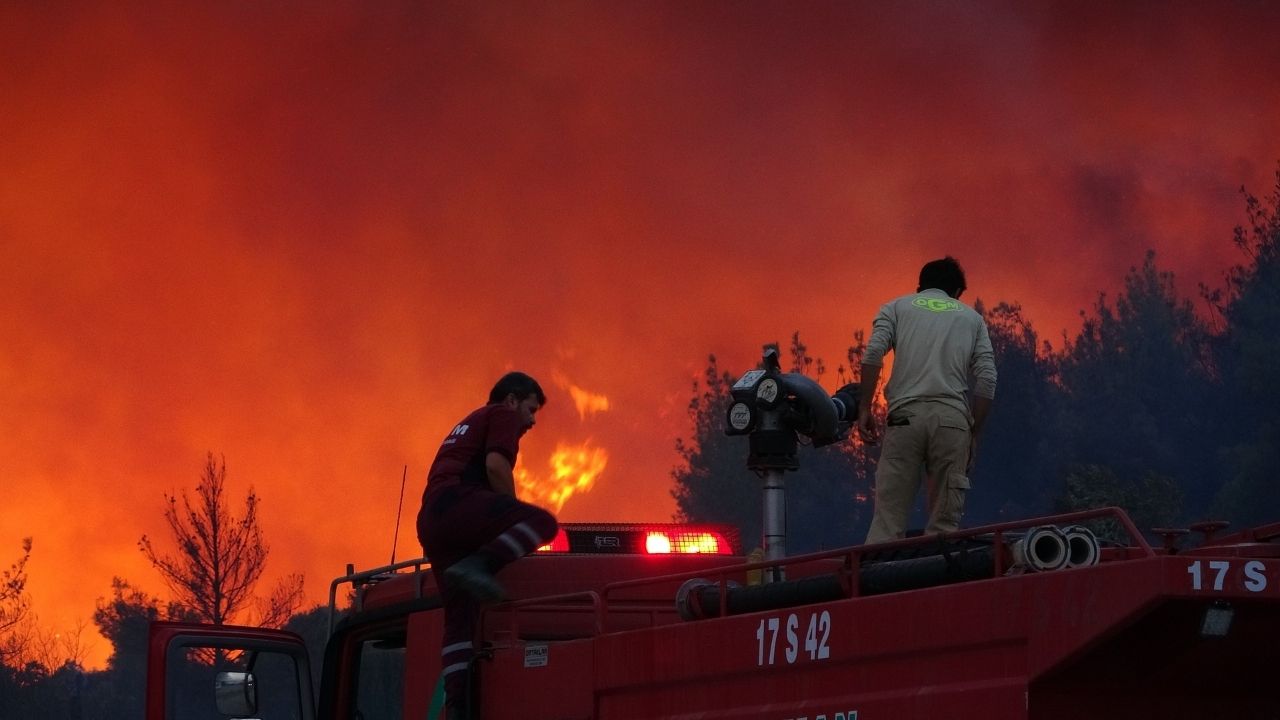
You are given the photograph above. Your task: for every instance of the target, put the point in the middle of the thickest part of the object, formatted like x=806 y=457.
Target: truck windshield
x=207 y=683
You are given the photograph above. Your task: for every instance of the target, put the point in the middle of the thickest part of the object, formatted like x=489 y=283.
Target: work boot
x=471 y=575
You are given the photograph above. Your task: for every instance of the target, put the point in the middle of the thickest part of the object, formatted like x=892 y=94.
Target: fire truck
x=1062 y=617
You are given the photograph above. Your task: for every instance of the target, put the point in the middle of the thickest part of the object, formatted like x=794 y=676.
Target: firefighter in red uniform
x=471 y=523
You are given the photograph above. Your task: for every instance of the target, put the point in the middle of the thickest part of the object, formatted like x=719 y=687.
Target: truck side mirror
x=236 y=693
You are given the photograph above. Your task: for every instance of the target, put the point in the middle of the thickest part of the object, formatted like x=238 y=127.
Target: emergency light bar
x=643 y=539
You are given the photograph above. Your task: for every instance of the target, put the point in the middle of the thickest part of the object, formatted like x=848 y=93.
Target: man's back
x=938 y=342
x=491 y=428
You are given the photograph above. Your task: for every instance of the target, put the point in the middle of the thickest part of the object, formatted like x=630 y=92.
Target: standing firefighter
x=938 y=343
x=471 y=523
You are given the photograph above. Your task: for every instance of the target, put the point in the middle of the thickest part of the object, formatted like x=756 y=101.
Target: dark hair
x=945 y=275
x=518 y=384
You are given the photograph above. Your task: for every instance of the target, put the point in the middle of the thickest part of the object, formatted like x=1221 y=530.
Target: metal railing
x=364 y=578
x=605 y=602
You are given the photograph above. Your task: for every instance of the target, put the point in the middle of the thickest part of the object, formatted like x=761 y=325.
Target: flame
x=586 y=401
x=574 y=469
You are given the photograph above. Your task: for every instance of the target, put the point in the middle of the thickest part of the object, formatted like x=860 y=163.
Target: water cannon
x=773 y=409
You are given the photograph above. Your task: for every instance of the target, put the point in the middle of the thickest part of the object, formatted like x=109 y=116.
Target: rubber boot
x=472 y=575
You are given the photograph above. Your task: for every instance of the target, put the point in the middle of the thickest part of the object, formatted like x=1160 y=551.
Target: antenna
x=399 y=506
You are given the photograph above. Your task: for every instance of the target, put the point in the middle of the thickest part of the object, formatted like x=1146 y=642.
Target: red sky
x=309 y=236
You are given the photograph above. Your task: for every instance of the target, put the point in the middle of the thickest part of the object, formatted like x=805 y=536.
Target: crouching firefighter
x=471 y=523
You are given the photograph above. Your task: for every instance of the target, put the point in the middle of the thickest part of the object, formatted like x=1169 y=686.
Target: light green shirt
x=938 y=343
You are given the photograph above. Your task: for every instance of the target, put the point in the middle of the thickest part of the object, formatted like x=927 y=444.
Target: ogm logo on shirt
x=936 y=305
x=457 y=432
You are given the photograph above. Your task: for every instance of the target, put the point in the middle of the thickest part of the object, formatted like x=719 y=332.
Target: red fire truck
x=613 y=622
x=1037 y=619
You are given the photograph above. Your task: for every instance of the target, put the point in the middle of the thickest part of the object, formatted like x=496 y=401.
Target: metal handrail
x=366 y=577
x=853 y=555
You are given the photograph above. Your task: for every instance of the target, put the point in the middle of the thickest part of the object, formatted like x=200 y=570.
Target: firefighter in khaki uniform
x=938 y=343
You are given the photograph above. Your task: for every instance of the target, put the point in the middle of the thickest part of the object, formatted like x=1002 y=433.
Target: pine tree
x=1251 y=457
x=220 y=557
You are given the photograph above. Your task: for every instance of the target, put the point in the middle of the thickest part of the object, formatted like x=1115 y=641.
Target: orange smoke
x=313 y=246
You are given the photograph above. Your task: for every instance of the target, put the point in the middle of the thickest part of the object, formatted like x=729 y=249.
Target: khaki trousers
x=924 y=435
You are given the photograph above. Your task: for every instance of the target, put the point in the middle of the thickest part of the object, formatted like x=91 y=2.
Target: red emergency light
x=658 y=542
x=643 y=539
x=558 y=544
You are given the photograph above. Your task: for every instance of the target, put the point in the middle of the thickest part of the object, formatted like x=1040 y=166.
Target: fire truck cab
x=1016 y=620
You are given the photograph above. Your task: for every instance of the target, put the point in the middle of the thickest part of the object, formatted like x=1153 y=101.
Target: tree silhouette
x=1014 y=476
x=1247 y=358
x=1151 y=500
x=1140 y=392
x=220 y=557
x=712 y=484
x=124 y=619
x=14 y=605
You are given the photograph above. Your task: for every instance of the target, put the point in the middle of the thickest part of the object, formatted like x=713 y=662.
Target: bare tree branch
x=14 y=606
x=220 y=557
x=276 y=609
